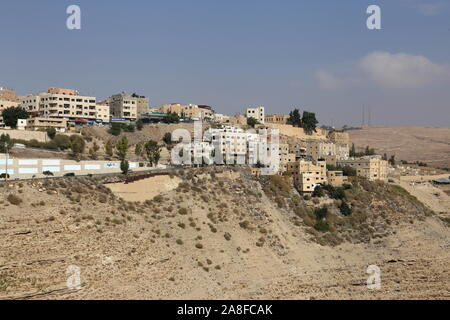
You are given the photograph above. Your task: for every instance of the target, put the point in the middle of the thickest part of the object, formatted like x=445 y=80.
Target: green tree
x=51 y=132
x=295 y=119
x=369 y=151
x=12 y=114
x=109 y=148
x=139 y=125
x=171 y=118
x=167 y=138
x=392 y=160
x=345 y=209
x=129 y=128
x=321 y=213
x=252 y=122
x=61 y=142
x=352 y=151
x=124 y=166
x=152 y=152
x=309 y=122
x=318 y=192
x=122 y=148
x=115 y=129
x=5 y=143
x=77 y=145
x=47 y=173
x=93 y=151
x=138 y=150
x=349 y=171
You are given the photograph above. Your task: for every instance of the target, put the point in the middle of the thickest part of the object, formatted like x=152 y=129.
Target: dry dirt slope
x=219 y=236
x=426 y=144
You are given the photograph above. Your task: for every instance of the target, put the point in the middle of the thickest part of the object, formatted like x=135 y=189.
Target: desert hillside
x=425 y=144
x=217 y=234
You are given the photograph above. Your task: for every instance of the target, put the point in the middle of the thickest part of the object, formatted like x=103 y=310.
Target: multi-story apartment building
x=60 y=124
x=308 y=175
x=327 y=150
x=336 y=178
x=372 y=168
x=257 y=113
x=63 y=103
x=320 y=149
x=123 y=106
x=103 y=112
x=142 y=104
x=31 y=104
x=8 y=95
x=277 y=118
x=190 y=111
x=229 y=140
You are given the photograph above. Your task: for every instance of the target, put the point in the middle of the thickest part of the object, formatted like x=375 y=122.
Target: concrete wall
x=26 y=135
x=27 y=168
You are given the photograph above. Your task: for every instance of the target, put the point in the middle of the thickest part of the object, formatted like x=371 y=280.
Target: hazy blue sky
x=232 y=54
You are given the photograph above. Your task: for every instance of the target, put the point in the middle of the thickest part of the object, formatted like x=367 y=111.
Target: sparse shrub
x=227 y=236
x=321 y=213
x=318 y=192
x=345 y=209
x=183 y=211
x=244 y=224
x=13 y=199
x=322 y=226
x=199 y=246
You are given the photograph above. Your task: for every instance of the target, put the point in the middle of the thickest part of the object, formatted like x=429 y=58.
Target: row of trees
x=150 y=151
x=307 y=121
x=367 y=152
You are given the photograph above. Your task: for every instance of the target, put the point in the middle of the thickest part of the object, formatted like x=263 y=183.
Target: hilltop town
x=180 y=202
x=312 y=156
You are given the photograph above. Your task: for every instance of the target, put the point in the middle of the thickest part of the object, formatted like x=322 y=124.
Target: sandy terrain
x=144 y=189
x=434 y=197
x=426 y=144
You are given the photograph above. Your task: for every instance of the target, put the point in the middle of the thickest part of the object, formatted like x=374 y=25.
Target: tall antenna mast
x=363 y=116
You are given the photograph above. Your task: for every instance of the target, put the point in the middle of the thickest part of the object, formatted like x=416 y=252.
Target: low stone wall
x=26 y=135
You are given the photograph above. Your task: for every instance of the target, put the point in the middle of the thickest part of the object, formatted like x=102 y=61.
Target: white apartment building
x=257 y=113
x=228 y=140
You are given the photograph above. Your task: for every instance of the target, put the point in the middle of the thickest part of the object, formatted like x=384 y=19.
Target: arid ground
x=425 y=144
x=216 y=236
